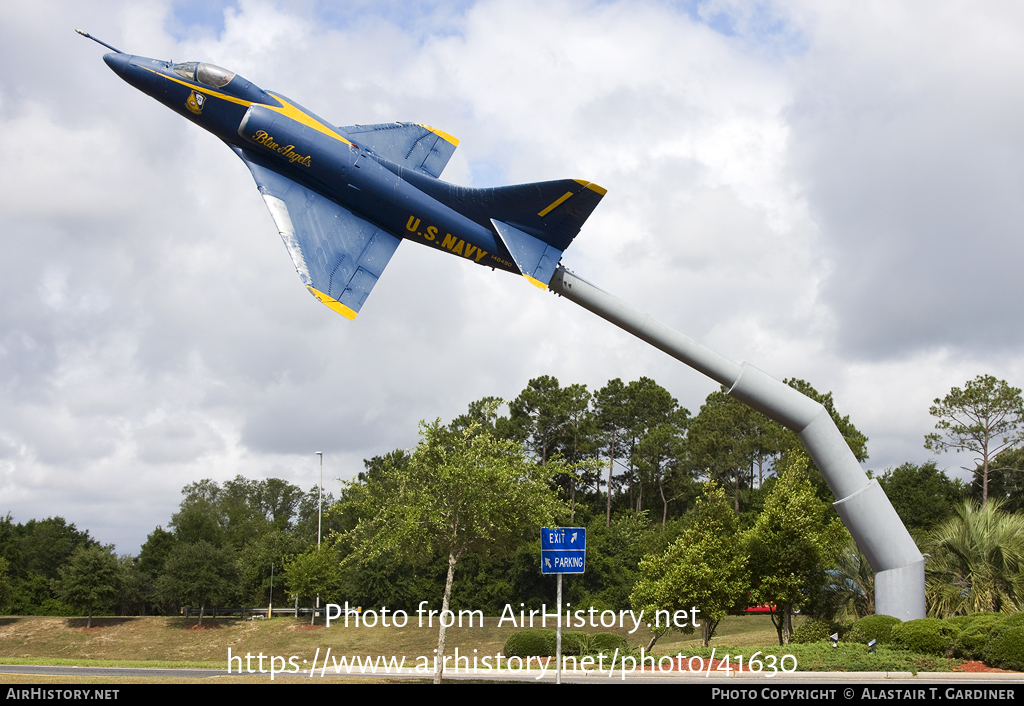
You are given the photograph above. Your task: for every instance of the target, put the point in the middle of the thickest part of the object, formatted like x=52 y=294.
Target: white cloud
x=829 y=192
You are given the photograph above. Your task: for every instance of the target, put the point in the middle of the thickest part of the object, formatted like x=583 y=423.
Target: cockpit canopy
x=224 y=80
x=206 y=74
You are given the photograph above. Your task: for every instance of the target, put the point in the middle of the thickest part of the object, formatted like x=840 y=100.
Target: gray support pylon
x=862 y=505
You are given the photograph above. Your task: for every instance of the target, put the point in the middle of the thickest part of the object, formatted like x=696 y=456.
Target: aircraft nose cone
x=117 y=62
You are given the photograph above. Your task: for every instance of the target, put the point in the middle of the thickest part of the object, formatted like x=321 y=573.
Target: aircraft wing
x=419 y=147
x=338 y=255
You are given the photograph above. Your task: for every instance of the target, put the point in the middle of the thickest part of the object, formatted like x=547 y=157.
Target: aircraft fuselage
x=307 y=149
x=343 y=198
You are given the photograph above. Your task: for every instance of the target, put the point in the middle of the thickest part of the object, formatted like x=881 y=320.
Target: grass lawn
x=176 y=642
x=163 y=641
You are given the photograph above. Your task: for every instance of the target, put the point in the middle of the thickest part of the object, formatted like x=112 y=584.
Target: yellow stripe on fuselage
x=201 y=87
x=334 y=304
x=288 y=110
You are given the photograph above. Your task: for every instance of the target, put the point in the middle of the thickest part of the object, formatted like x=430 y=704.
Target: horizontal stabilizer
x=419 y=147
x=338 y=255
x=535 y=259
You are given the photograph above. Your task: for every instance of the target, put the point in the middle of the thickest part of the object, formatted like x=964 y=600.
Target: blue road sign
x=563 y=550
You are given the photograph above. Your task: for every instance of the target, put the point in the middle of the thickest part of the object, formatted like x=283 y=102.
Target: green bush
x=575 y=642
x=927 y=636
x=1016 y=620
x=530 y=643
x=51 y=606
x=975 y=632
x=1006 y=651
x=873 y=627
x=538 y=642
x=962 y=621
x=608 y=642
x=848 y=657
x=816 y=630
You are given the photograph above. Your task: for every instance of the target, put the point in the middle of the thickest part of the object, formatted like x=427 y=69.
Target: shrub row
x=538 y=642
x=816 y=630
x=995 y=638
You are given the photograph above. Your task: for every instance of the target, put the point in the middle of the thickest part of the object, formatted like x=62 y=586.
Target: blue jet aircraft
x=344 y=197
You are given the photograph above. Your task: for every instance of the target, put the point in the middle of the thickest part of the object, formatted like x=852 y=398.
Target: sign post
x=563 y=550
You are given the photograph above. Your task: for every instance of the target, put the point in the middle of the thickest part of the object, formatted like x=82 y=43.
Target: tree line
x=648 y=480
x=218 y=547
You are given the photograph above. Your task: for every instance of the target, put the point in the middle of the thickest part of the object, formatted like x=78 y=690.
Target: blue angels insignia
x=195 y=103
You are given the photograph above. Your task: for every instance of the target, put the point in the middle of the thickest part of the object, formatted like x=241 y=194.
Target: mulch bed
x=980 y=667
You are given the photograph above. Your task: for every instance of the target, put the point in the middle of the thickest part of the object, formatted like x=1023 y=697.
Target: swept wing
x=419 y=147
x=338 y=255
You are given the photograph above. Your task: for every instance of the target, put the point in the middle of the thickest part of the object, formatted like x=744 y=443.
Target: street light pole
x=320 y=499
x=319 y=515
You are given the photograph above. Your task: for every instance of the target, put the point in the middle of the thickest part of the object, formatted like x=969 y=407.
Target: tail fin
x=551 y=211
x=536 y=222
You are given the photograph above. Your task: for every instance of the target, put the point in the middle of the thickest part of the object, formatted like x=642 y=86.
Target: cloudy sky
x=831 y=191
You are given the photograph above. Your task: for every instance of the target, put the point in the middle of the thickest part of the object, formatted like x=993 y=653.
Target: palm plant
x=849 y=590
x=977 y=562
